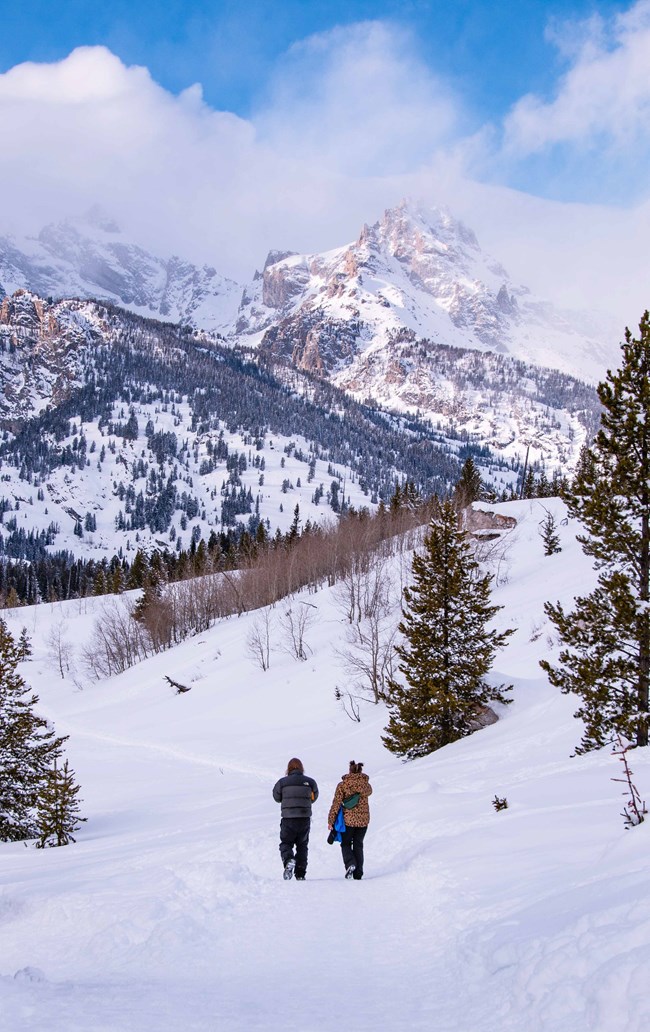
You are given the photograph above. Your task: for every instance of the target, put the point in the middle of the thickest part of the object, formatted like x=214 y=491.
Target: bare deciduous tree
x=369 y=653
x=295 y=622
x=258 y=642
x=60 y=649
x=117 y=642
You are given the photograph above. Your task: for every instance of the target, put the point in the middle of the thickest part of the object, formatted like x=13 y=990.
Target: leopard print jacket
x=358 y=816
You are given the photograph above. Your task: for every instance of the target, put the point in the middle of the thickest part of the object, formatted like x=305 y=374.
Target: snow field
x=170 y=912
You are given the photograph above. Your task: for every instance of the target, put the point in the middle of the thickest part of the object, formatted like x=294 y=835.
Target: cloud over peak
x=352 y=120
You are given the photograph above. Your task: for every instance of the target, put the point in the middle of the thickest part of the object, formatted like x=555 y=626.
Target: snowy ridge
x=90 y=258
x=67 y=460
x=417 y=269
x=170 y=911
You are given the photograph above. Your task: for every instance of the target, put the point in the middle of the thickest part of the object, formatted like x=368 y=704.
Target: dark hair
x=295 y=764
x=356 y=768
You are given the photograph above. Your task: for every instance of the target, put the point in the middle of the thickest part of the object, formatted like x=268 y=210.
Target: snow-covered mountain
x=90 y=258
x=170 y=912
x=343 y=313
x=418 y=273
x=412 y=316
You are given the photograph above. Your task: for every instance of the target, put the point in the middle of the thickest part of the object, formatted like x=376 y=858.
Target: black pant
x=352 y=849
x=294 y=831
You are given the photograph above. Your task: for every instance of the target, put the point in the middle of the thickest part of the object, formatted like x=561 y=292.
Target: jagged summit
x=416 y=271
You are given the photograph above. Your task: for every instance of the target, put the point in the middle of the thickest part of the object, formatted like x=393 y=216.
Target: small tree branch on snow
x=351 y=708
x=634 y=810
x=180 y=688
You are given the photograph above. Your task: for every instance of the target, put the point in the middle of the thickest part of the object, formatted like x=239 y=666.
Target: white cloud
x=354 y=121
x=602 y=100
x=359 y=100
x=348 y=107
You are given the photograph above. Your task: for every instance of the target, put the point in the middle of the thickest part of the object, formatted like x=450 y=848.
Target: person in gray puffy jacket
x=295 y=792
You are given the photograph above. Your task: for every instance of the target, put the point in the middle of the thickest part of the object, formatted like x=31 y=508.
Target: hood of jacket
x=355 y=783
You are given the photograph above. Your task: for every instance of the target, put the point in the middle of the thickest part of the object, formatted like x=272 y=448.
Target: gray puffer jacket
x=296 y=792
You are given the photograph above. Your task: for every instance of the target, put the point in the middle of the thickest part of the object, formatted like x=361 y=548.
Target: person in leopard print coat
x=356 y=818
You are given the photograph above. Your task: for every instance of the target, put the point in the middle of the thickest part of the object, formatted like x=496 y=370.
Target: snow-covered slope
x=90 y=258
x=170 y=911
x=417 y=270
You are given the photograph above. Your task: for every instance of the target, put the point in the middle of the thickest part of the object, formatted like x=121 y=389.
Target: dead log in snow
x=179 y=687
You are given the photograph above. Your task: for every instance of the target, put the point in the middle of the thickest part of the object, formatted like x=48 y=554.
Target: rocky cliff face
x=42 y=350
x=415 y=275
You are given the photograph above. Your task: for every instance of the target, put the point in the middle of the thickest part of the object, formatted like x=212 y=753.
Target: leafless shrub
x=494 y=555
x=60 y=649
x=117 y=641
x=634 y=811
x=536 y=630
x=258 y=642
x=295 y=622
x=369 y=653
x=349 y=703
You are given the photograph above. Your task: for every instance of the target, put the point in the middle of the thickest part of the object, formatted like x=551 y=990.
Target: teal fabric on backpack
x=351 y=801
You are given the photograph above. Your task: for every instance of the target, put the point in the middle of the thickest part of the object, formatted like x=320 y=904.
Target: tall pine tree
x=28 y=746
x=447 y=648
x=606 y=655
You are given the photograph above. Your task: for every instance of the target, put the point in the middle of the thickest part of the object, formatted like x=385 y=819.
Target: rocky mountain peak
x=273 y=257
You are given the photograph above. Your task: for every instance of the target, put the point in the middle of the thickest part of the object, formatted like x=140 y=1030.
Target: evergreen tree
x=447 y=649
x=529 y=487
x=469 y=486
x=57 y=815
x=28 y=746
x=294 y=529
x=24 y=645
x=549 y=534
x=606 y=639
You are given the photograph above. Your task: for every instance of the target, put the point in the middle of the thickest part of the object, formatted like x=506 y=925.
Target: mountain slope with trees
x=122 y=433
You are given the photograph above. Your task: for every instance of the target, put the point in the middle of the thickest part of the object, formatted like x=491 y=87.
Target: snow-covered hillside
x=170 y=912
x=219 y=479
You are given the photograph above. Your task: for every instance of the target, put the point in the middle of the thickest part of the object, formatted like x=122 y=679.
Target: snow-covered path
x=170 y=912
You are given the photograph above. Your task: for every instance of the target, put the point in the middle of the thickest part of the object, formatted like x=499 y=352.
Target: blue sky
x=531 y=120
x=492 y=52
